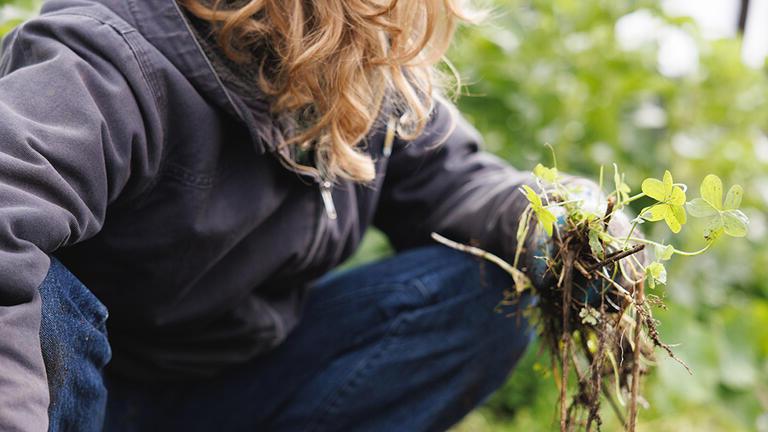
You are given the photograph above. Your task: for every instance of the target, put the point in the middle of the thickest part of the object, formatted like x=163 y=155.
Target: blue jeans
x=411 y=342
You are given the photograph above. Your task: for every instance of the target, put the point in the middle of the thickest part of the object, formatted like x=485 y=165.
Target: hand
x=616 y=278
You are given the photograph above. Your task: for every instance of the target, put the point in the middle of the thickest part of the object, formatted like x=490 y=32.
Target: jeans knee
x=448 y=291
x=481 y=297
x=448 y=273
x=498 y=315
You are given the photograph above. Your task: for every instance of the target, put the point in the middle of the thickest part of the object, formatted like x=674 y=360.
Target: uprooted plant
x=593 y=313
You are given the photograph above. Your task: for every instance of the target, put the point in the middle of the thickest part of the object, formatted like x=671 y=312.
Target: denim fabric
x=408 y=343
x=75 y=350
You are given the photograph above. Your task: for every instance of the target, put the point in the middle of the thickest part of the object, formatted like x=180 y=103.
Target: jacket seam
x=135 y=52
x=149 y=81
x=143 y=61
x=187 y=177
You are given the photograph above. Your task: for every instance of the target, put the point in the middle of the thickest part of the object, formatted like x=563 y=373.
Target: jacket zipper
x=325 y=217
x=326 y=187
x=326 y=194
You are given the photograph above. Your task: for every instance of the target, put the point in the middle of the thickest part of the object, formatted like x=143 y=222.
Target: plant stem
x=522 y=233
x=617 y=257
x=633 y=198
x=620 y=289
x=639 y=303
x=522 y=281
x=633 y=227
x=604 y=388
x=610 y=206
x=561 y=203
x=600 y=183
x=567 y=276
x=675 y=250
x=614 y=405
x=698 y=252
x=476 y=252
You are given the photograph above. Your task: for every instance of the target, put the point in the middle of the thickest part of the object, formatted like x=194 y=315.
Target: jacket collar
x=164 y=25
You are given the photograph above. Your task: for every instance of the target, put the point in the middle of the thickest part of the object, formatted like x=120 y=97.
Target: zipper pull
x=325 y=193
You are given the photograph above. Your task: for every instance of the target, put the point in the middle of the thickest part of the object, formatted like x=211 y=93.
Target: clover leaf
x=671 y=199
x=546 y=218
x=721 y=218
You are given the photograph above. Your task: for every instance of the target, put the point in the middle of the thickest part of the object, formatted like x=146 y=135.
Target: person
x=178 y=180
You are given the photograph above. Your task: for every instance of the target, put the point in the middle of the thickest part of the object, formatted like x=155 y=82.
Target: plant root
x=614 y=335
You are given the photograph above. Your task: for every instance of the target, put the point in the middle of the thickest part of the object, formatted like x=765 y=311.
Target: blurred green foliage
x=13 y=12
x=553 y=71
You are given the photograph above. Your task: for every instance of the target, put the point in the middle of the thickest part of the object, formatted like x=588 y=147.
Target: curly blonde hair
x=332 y=64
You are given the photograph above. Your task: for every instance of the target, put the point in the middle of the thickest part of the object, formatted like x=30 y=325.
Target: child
x=201 y=167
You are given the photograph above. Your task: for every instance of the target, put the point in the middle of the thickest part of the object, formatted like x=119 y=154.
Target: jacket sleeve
x=78 y=127
x=444 y=182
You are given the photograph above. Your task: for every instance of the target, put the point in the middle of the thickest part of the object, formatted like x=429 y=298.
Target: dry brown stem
x=567 y=289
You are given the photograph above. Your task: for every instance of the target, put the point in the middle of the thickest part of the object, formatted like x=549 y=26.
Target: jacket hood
x=164 y=24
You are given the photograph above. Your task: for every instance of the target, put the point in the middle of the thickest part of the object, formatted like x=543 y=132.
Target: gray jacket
x=129 y=150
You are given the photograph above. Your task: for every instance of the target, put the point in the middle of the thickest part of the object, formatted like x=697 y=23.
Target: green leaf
x=733 y=199
x=595 y=244
x=679 y=212
x=673 y=219
x=546 y=219
x=730 y=221
x=712 y=235
x=714 y=228
x=657 y=271
x=622 y=190
x=700 y=208
x=735 y=223
x=663 y=253
x=547 y=174
x=656 y=212
x=654 y=188
x=532 y=196
x=711 y=191
x=676 y=196
x=668 y=182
